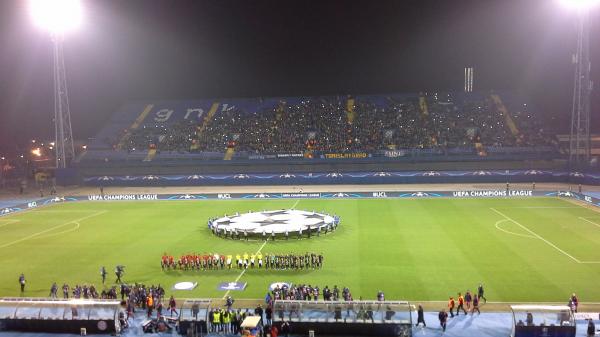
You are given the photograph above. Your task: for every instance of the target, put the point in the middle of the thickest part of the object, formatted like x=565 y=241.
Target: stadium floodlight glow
x=579 y=5
x=56 y=16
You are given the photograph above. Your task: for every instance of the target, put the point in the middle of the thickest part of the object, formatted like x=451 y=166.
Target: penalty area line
x=536 y=235
x=8 y=222
x=589 y=221
x=51 y=229
x=497 y=225
x=244 y=271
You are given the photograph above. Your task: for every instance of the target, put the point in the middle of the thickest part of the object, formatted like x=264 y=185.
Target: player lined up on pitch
x=216 y=261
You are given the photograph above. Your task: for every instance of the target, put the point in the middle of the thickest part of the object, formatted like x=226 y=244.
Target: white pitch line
x=51 y=229
x=296 y=204
x=78 y=225
x=497 y=225
x=545 y=207
x=501 y=302
x=244 y=271
x=537 y=235
x=8 y=222
x=589 y=221
x=66 y=210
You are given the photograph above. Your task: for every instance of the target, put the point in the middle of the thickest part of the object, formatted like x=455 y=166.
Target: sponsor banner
x=421 y=194
x=492 y=193
x=584 y=316
x=340 y=195
x=303 y=195
x=262 y=156
x=232 y=286
x=582 y=197
x=351 y=155
x=290 y=155
x=590 y=199
x=300 y=195
x=394 y=153
x=123 y=197
x=182 y=197
x=36 y=203
x=494 y=176
x=275 y=156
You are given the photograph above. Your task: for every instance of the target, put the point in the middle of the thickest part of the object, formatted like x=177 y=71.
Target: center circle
x=274 y=222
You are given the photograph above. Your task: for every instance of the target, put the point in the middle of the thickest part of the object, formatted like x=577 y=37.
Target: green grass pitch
x=530 y=249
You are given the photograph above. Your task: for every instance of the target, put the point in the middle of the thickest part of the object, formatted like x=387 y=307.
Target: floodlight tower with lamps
x=579 y=138
x=58 y=17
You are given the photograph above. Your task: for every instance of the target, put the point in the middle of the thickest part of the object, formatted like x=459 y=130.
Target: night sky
x=174 y=49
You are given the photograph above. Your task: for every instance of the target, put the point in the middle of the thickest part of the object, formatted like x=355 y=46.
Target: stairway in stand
x=507 y=117
x=229 y=153
x=350 y=112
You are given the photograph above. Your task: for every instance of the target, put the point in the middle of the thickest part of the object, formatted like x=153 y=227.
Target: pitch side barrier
x=73 y=316
x=497 y=193
x=355 y=318
x=348 y=178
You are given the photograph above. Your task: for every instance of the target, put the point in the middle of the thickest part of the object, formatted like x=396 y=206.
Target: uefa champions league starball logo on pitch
x=185 y=286
x=277 y=222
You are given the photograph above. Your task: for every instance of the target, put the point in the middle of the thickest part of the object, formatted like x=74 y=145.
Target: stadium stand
x=434 y=123
x=345 y=133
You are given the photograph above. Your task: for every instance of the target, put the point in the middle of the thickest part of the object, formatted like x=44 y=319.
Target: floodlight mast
x=579 y=138
x=65 y=151
x=57 y=17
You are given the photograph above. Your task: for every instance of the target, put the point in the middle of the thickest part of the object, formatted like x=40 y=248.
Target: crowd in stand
x=328 y=124
x=175 y=137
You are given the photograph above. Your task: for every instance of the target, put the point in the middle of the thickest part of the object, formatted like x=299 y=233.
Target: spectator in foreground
x=173 y=306
x=420 y=317
x=574 y=302
x=443 y=317
x=451 y=306
x=591 y=328
x=475 y=305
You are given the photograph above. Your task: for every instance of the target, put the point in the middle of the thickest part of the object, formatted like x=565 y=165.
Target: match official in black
x=480 y=293
x=22 y=282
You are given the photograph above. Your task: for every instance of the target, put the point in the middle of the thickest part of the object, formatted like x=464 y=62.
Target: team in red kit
x=208 y=261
